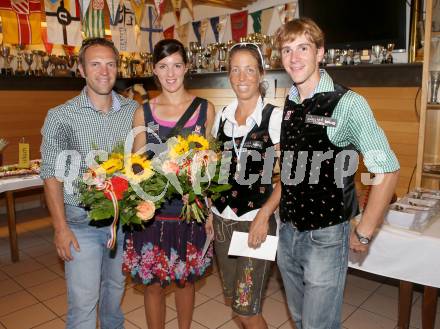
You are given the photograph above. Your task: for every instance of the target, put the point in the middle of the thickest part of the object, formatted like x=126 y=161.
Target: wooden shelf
x=430 y=106
x=431 y=175
x=435 y=34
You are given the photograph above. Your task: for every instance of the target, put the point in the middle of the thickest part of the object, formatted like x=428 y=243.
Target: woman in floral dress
x=169 y=250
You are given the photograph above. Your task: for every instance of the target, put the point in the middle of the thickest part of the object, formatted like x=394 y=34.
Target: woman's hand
x=209 y=227
x=258 y=229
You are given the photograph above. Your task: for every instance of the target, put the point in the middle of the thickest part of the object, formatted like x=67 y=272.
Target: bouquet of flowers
x=109 y=191
x=192 y=166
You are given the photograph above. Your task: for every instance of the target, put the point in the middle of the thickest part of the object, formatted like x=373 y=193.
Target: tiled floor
x=33 y=293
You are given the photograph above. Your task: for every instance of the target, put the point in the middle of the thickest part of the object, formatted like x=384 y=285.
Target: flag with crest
x=151 y=30
x=239 y=25
x=93 y=24
x=123 y=32
x=21 y=20
x=63 y=22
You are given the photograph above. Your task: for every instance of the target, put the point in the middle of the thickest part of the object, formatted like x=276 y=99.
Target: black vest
x=322 y=198
x=244 y=198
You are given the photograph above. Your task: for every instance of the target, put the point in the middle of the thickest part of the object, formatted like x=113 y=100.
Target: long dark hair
x=167 y=47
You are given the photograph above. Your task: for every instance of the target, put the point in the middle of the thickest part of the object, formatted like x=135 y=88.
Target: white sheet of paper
x=206 y=246
x=239 y=247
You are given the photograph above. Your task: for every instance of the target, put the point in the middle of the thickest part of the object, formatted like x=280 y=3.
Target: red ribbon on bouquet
x=107 y=187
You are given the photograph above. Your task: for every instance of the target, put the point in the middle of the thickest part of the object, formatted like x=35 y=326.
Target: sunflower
x=199 y=142
x=115 y=155
x=138 y=168
x=111 y=166
x=179 y=148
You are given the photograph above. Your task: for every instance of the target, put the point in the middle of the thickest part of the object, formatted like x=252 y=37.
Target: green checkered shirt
x=356 y=125
x=76 y=126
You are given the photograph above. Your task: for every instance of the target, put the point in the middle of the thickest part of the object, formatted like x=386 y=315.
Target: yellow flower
x=117 y=156
x=111 y=166
x=137 y=168
x=200 y=143
x=179 y=148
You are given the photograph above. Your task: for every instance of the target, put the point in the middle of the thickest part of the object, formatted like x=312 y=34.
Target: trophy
x=435 y=82
x=194 y=49
x=29 y=59
x=376 y=50
x=71 y=60
x=121 y=65
x=45 y=61
x=60 y=66
x=331 y=56
x=5 y=52
x=390 y=48
x=38 y=56
x=221 y=52
x=19 y=71
x=275 y=58
x=350 y=56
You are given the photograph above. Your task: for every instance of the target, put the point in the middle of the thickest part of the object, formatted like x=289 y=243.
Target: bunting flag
x=214 y=26
x=151 y=29
x=189 y=5
x=21 y=21
x=93 y=23
x=63 y=22
x=196 y=29
x=256 y=18
x=204 y=27
x=224 y=29
x=270 y=22
x=113 y=6
x=183 y=34
x=47 y=45
x=239 y=25
x=137 y=6
x=160 y=7
x=84 y=5
x=123 y=32
x=177 y=6
x=169 y=32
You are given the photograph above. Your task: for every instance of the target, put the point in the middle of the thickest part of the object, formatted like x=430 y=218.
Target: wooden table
x=410 y=257
x=9 y=186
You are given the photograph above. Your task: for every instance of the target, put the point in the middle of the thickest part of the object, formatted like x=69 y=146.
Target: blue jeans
x=313 y=265
x=94 y=274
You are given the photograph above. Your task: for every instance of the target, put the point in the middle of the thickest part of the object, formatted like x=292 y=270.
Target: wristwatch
x=362 y=238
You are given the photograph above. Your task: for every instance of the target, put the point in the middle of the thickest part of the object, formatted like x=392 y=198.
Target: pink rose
x=145 y=210
x=170 y=167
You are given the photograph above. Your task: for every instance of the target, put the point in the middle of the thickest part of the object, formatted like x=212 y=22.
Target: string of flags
x=135 y=26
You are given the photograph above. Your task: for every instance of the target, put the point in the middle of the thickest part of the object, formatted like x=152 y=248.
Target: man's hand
x=258 y=229
x=209 y=227
x=355 y=244
x=64 y=237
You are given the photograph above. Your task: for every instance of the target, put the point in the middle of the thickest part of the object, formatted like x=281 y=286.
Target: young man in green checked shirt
x=324 y=127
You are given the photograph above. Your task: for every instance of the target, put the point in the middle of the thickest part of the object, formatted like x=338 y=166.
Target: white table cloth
x=403 y=255
x=17 y=183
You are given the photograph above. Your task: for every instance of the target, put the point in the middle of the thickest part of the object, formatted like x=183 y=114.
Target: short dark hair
x=90 y=42
x=167 y=47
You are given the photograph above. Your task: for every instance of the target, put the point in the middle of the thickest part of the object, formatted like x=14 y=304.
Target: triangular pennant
x=160 y=6
x=63 y=22
x=84 y=5
x=93 y=23
x=256 y=18
x=113 y=6
x=189 y=5
x=177 y=6
x=123 y=32
x=137 y=6
x=21 y=20
x=47 y=45
x=204 y=24
x=182 y=33
x=214 y=25
x=196 y=29
x=224 y=29
x=151 y=30
x=169 y=32
x=239 y=25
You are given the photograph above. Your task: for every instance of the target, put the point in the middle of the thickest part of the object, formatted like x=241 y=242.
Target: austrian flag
x=21 y=20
